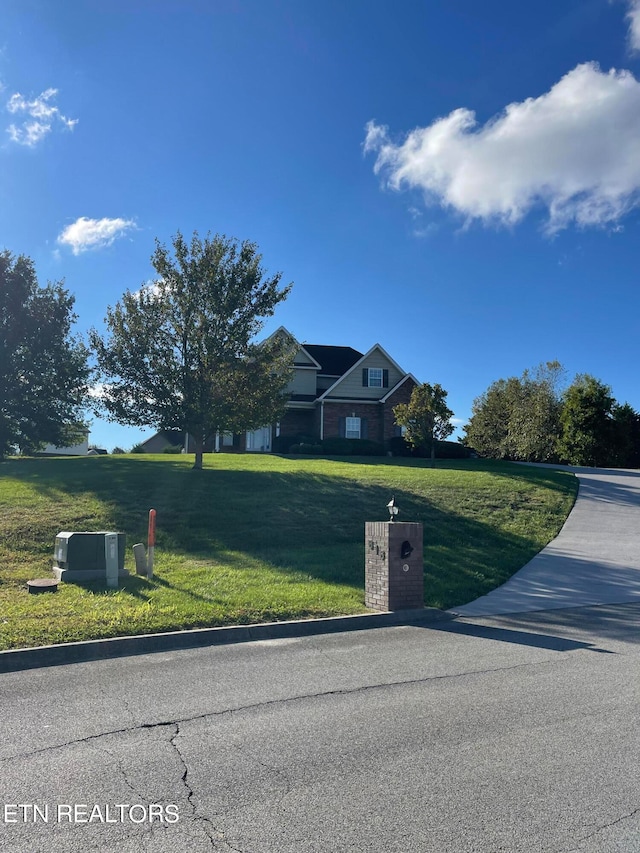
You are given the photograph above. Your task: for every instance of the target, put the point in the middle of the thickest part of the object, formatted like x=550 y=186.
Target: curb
x=13 y=660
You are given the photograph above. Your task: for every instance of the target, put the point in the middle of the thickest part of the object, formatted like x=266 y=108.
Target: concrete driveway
x=595 y=559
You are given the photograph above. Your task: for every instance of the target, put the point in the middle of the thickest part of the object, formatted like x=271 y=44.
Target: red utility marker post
x=151 y=542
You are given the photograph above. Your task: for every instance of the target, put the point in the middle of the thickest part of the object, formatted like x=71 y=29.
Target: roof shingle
x=333 y=361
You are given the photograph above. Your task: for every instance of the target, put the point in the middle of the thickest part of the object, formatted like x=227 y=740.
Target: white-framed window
x=375 y=377
x=352 y=428
x=227 y=439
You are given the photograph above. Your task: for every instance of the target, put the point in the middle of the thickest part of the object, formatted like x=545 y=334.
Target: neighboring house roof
x=174 y=437
x=333 y=361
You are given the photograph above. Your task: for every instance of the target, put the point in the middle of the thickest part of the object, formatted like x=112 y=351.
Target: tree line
x=539 y=417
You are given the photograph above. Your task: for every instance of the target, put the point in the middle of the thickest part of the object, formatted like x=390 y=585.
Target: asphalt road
x=507 y=734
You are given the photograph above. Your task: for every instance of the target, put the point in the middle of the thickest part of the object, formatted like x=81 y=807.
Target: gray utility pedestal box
x=81 y=556
x=394 y=574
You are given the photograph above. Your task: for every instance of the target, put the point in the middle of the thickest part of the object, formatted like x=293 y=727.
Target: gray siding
x=351 y=386
x=303 y=382
x=303 y=358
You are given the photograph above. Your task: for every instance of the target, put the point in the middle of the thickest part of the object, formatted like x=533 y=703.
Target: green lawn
x=258 y=538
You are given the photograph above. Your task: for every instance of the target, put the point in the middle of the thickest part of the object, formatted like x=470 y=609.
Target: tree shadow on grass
x=139 y=587
x=296 y=521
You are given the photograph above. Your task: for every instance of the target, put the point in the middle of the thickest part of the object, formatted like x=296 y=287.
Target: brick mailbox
x=394 y=578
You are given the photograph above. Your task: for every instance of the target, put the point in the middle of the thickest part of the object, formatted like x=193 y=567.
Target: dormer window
x=375 y=377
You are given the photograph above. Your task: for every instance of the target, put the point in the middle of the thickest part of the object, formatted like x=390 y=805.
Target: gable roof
x=299 y=360
x=397 y=385
x=357 y=363
x=175 y=437
x=333 y=361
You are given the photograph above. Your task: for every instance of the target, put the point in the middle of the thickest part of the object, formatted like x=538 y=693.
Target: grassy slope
x=255 y=538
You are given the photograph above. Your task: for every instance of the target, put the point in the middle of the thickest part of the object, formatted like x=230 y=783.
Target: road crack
x=269 y=703
x=602 y=829
x=120 y=766
x=213 y=833
x=277 y=771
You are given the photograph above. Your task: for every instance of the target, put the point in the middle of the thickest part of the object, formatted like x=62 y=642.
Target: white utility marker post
x=151 y=543
x=140 y=556
x=111 y=559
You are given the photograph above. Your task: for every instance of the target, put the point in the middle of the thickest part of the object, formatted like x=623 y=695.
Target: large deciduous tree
x=519 y=418
x=43 y=367
x=625 y=451
x=587 y=422
x=488 y=429
x=534 y=419
x=180 y=352
x=426 y=417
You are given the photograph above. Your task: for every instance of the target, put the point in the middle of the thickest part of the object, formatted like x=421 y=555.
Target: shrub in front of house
x=173 y=448
x=306 y=449
x=451 y=450
x=352 y=447
x=283 y=443
x=337 y=446
x=137 y=448
x=399 y=446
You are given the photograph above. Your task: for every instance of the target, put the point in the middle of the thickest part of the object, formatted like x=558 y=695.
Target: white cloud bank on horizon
x=633 y=17
x=575 y=151
x=85 y=234
x=40 y=116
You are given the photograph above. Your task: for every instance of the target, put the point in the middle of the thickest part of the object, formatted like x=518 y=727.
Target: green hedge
x=306 y=449
x=334 y=447
x=444 y=449
x=352 y=447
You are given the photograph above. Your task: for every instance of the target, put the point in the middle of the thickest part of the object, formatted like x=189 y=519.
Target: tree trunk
x=433 y=453
x=197 y=465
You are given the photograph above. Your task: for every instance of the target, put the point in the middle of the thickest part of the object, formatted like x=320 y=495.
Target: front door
x=259 y=440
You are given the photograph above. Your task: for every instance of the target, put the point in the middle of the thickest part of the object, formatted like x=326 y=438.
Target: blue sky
x=457 y=181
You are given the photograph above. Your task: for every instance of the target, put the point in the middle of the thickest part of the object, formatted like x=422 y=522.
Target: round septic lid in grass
x=43 y=585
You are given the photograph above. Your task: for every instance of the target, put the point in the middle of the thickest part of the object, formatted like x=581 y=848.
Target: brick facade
x=334 y=411
x=297 y=422
x=379 y=417
x=402 y=395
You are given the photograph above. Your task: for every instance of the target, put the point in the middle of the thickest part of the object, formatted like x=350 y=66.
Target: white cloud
x=151 y=287
x=574 y=150
x=40 y=115
x=633 y=17
x=85 y=234
x=97 y=391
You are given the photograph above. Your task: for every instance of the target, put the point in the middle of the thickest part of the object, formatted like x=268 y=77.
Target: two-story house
x=335 y=391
